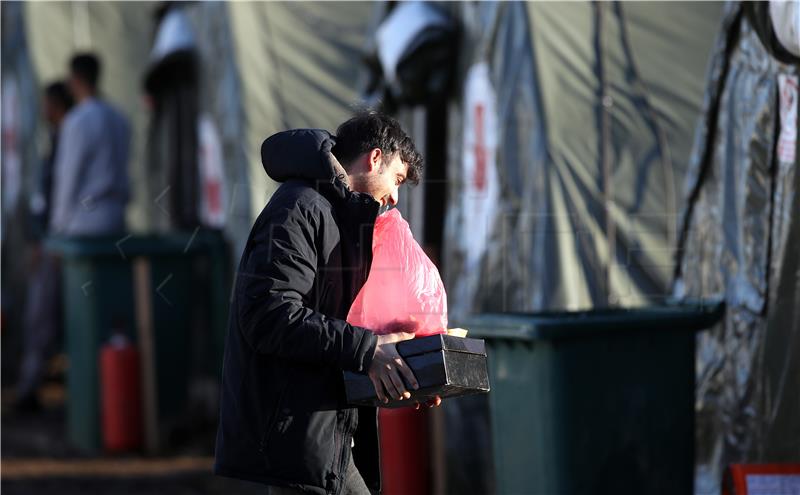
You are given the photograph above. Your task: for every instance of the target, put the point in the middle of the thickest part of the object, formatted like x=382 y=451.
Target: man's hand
x=388 y=369
x=435 y=402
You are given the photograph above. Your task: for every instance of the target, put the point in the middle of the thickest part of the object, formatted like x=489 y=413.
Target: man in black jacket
x=284 y=420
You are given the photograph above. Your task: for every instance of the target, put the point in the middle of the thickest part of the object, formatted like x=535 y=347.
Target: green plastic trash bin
x=593 y=402
x=98 y=296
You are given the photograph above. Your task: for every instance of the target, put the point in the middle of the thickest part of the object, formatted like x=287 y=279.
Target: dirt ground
x=37 y=460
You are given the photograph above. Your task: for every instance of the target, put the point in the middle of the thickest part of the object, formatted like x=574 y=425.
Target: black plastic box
x=444 y=365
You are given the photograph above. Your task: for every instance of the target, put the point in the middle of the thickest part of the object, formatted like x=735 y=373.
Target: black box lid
x=434 y=343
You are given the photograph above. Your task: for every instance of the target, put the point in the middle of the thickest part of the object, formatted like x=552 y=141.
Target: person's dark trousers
x=353 y=484
x=42 y=324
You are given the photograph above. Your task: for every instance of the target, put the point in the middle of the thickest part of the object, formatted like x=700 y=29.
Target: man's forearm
x=285 y=328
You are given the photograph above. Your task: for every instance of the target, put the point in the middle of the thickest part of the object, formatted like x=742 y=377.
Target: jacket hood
x=302 y=154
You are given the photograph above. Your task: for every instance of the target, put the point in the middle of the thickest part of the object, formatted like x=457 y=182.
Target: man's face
x=73 y=84
x=380 y=176
x=78 y=87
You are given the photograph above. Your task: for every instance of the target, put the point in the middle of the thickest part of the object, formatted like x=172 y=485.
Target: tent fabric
x=21 y=165
x=21 y=108
x=596 y=105
x=120 y=32
x=222 y=102
x=595 y=128
x=739 y=241
x=266 y=66
x=298 y=63
x=196 y=86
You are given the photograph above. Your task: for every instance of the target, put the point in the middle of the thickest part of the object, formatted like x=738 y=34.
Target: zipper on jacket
x=344 y=449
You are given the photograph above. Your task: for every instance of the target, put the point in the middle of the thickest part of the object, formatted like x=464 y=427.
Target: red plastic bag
x=404 y=291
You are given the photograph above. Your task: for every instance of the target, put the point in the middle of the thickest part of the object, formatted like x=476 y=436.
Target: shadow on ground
x=37 y=460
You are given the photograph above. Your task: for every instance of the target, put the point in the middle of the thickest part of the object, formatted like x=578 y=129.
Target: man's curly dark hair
x=368 y=130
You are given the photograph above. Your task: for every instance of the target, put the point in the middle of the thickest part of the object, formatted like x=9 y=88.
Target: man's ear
x=374 y=158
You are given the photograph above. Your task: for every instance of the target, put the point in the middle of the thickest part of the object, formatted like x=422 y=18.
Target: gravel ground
x=193 y=484
x=37 y=460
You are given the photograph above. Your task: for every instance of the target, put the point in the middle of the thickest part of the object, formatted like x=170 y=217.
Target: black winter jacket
x=283 y=416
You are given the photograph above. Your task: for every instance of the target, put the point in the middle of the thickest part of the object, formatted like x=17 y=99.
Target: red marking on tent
x=479 y=179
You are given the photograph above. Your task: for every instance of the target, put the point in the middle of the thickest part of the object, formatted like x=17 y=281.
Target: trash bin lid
x=576 y=324
x=127 y=246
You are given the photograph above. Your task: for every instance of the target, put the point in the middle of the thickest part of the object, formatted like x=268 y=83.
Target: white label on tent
x=212 y=174
x=481 y=188
x=787 y=141
x=773 y=484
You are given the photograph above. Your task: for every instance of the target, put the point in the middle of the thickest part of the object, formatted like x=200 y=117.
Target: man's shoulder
x=297 y=203
x=76 y=115
x=112 y=112
x=298 y=197
x=300 y=194
x=93 y=110
x=83 y=114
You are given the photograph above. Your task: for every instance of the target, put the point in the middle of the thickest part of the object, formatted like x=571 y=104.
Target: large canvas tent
x=582 y=164
x=595 y=106
x=574 y=203
x=265 y=66
x=739 y=239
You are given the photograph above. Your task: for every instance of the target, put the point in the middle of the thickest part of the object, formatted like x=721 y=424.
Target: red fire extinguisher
x=405 y=466
x=120 y=395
